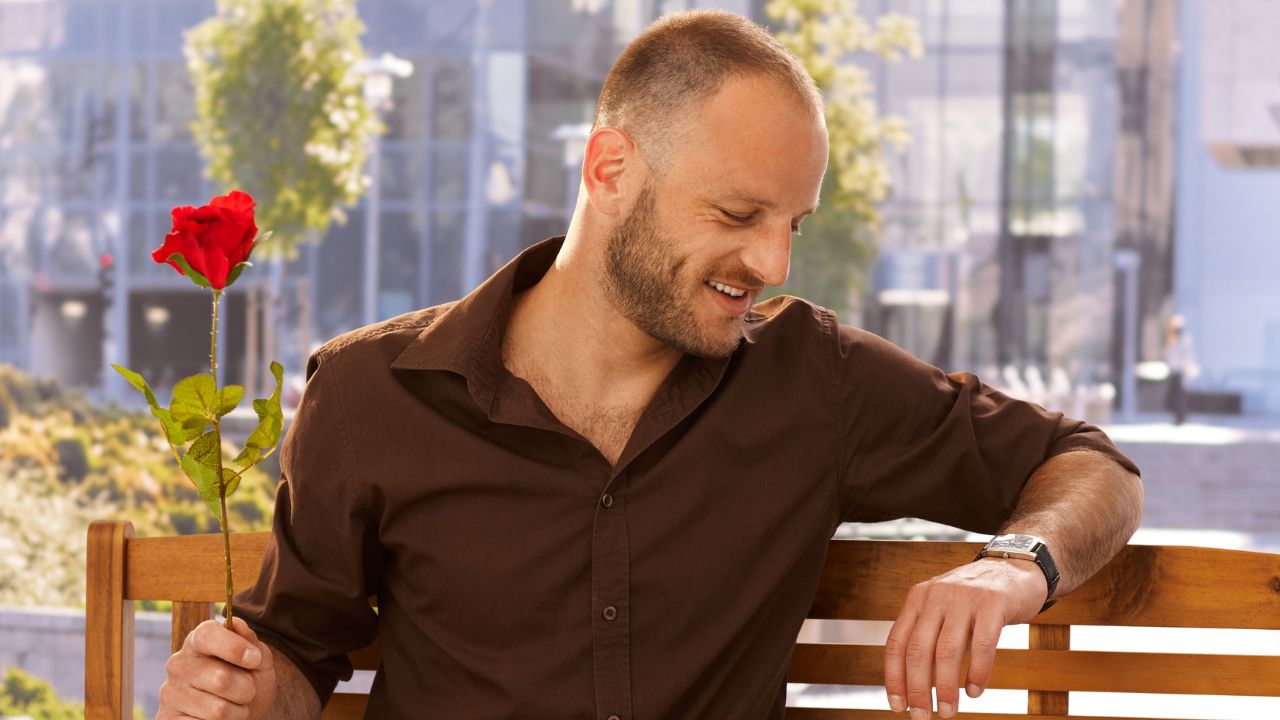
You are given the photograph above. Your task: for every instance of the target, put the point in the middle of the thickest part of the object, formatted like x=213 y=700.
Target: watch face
x=1013 y=543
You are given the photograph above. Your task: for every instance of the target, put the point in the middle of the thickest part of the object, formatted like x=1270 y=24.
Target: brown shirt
x=519 y=575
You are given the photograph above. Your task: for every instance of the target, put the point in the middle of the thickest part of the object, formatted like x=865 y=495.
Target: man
x=602 y=485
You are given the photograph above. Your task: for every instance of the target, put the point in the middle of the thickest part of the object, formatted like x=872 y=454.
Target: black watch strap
x=1047 y=566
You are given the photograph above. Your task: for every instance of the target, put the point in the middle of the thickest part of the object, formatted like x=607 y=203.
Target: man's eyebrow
x=752 y=199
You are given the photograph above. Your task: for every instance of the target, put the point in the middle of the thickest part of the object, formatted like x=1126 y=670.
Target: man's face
x=698 y=246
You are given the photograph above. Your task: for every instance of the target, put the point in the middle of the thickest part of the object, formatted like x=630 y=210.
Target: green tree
x=24 y=695
x=280 y=114
x=280 y=110
x=830 y=258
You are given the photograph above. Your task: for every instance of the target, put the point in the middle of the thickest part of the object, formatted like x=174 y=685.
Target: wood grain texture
x=186 y=616
x=837 y=714
x=192 y=567
x=1145 y=585
x=1048 y=637
x=345 y=706
x=108 y=624
x=1064 y=670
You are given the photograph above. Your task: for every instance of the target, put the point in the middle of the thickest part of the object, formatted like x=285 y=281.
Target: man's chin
x=717 y=349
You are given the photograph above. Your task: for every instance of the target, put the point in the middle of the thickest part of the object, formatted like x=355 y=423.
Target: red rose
x=211 y=240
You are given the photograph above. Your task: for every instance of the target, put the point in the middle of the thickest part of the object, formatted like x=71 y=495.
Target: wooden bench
x=1157 y=586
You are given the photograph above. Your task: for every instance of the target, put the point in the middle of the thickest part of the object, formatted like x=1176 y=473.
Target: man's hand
x=961 y=611
x=219 y=675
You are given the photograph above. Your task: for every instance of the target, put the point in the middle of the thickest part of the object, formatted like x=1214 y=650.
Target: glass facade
x=998 y=236
x=95 y=148
x=997 y=241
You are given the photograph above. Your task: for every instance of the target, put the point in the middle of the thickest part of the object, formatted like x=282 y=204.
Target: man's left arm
x=1085 y=506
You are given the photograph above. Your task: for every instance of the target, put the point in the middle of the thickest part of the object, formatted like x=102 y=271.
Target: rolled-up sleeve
x=323 y=561
x=917 y=442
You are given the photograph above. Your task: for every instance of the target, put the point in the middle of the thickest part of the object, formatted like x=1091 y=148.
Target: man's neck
x=566 y=333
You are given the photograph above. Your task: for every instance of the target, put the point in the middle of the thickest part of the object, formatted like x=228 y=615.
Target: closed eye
x=746 y=219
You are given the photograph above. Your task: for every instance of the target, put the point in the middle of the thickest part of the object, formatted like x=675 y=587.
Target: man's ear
x=611 y=170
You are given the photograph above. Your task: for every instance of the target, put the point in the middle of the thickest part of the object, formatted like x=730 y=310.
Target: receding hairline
x=681 y=61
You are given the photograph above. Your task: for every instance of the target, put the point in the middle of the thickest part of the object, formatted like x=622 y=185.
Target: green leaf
x=200 y=464
x=231 y=479
x=229 y=398
x=136 y=380
x=196 y=277
x=178 y=435
x=194 y=397
x=236 y=270
x=270 y=421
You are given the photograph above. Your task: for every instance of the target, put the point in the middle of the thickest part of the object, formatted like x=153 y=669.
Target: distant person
x=602 y=485
x=1179 y=355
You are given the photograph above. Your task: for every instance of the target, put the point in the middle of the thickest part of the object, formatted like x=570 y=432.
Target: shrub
x=6 y=407
x=73 y=461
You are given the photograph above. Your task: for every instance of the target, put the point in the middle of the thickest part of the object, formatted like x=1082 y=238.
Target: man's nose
x=769 y=254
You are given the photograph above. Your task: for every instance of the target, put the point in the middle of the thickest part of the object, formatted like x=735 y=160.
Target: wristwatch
x=1026 y=547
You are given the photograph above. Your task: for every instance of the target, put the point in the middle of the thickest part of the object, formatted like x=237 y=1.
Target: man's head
x=679 y=62
x=709 y=148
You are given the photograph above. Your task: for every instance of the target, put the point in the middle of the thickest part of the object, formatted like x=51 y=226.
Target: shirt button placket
x=610 y=595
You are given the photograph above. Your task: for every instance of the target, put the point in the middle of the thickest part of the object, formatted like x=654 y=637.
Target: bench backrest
x=1153 y=586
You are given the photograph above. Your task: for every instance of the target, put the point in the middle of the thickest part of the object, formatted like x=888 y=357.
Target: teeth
x=732 y=292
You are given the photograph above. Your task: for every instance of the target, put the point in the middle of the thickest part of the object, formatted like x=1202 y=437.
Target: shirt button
x=606 y=500
x=610 y=613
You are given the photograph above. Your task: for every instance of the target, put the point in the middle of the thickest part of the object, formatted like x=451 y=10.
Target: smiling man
x=602 y=485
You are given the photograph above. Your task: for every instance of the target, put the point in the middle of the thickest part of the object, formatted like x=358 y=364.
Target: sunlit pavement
x=1197 y=430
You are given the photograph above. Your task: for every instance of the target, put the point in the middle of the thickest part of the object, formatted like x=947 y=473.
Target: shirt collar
x=466 y=337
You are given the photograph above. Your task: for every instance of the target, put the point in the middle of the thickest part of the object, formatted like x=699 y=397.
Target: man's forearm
x=1085 y=506
x=295 y=698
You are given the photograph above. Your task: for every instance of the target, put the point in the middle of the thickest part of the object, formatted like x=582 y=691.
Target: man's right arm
x=219 y=674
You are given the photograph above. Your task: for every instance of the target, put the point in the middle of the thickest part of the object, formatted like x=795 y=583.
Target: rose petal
x=238 y=202
x=217 y=269
x=167 y=248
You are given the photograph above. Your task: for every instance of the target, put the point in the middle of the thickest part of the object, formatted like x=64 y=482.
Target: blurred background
x=1039 y=190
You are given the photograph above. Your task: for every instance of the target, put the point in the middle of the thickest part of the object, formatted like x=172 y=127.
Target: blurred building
x=1227 y=266
x=1047 y=143
x=1009 y=206
x=95 y=149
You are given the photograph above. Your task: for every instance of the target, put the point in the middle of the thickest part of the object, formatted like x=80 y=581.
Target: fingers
x=210 y=675
x=942 y=620
x=909 y=654
x=895 y=652
x=920 y=649
x=211 y=639
x=948 y=657
x=179 y=700
x=982 y=653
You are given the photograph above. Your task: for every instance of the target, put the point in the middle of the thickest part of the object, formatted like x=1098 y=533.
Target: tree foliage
x=129 y=473
x=829 y=259
x=26 y=696
x=280 y=110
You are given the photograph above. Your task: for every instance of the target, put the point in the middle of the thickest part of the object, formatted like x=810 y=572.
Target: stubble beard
x=643 y=277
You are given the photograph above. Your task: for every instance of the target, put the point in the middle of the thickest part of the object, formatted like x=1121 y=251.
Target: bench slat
x=839 y=714
x=1145 y=585
x=1064 y=670
x=345 y=706
x=191 y=567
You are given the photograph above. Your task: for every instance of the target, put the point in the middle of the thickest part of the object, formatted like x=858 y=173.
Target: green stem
x=217 y=434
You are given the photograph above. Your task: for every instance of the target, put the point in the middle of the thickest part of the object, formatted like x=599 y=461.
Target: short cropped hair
x=679 y=62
